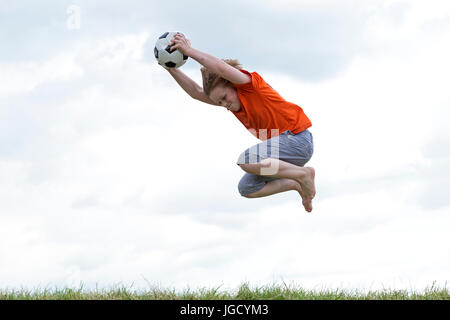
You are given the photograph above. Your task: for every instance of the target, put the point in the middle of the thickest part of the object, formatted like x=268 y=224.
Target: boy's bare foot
x=306 y=202
x=313 y=176
x=308 y=187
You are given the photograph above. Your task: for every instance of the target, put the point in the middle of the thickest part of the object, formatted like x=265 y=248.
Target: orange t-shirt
x=264 y=112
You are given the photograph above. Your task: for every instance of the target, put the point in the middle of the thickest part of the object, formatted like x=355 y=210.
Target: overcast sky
x=110 y=174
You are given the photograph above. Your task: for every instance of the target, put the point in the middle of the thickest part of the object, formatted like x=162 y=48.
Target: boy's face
x=226 y=96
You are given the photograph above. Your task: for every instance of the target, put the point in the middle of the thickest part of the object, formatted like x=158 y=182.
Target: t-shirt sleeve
x=249 y=86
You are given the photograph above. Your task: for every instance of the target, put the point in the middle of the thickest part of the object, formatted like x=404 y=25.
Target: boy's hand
x=181 y=43
x=163 y=66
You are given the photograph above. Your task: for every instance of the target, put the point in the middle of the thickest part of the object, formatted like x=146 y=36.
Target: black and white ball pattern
x=167 y=58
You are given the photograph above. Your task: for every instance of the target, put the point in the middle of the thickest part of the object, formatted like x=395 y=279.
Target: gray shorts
x=293 y=148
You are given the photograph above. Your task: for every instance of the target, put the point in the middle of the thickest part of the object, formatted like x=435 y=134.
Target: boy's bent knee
x=247 y=189
x=244 y=192
x=243 y=188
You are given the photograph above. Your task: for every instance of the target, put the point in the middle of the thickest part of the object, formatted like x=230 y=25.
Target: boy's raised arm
x=210 y=62
x=190 y=86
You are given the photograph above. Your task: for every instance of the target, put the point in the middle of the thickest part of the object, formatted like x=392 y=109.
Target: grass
x=244 y=292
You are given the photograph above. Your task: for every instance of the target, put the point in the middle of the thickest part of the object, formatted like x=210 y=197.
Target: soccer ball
x=167 y=58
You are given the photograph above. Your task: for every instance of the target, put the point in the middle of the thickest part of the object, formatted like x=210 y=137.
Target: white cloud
x=22 y=77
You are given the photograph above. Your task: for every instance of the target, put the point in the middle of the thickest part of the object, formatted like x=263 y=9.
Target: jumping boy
x=277 y=164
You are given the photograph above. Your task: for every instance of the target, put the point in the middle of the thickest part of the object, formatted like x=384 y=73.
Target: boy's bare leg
x=284 y=170
x=280 y=185
x=275 y=186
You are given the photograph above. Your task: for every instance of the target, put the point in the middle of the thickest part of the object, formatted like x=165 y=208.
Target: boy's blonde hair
x=212 y=80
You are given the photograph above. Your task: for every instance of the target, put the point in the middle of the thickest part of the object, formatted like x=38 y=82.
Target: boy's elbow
x=195 y=95
x=221 y=67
